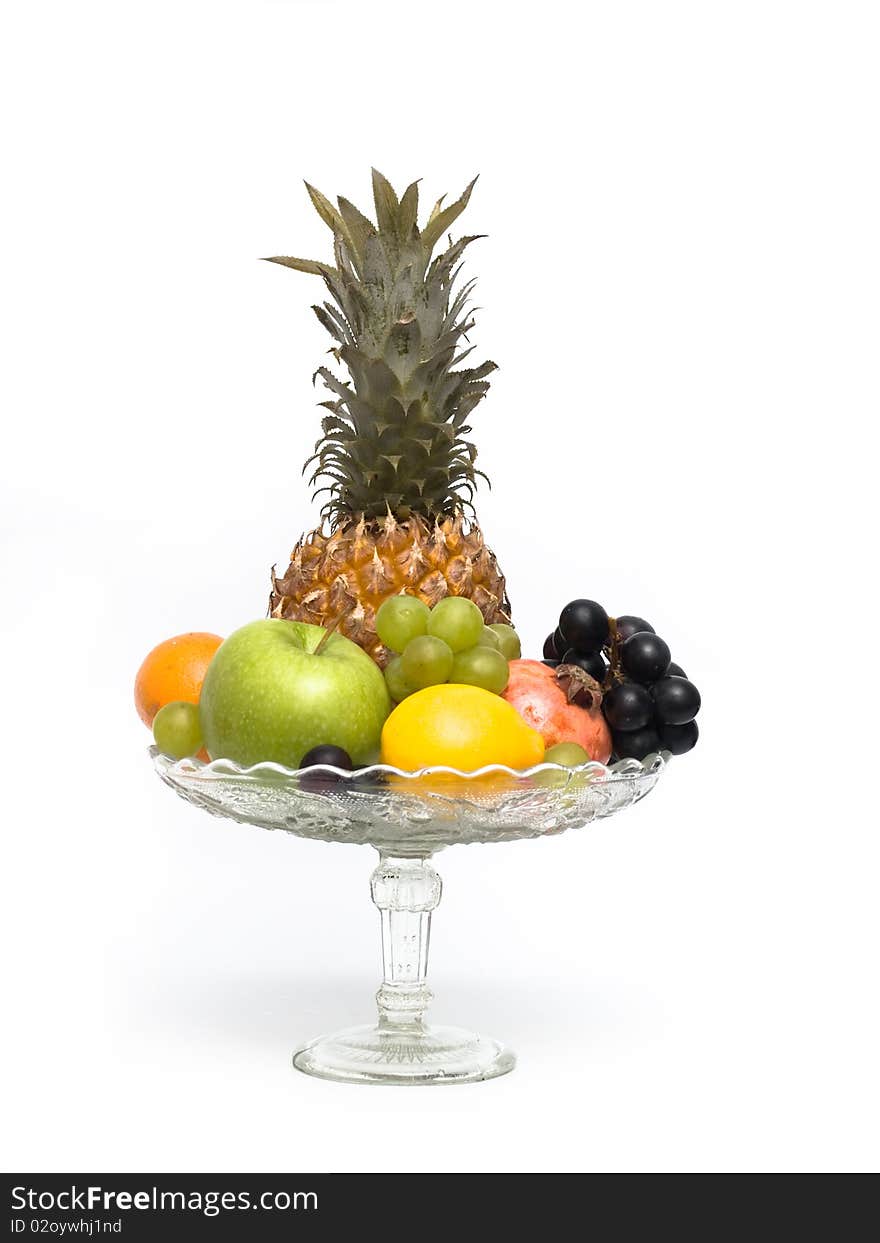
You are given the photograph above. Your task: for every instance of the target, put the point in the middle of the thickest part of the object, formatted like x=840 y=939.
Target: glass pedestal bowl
x=408 y=818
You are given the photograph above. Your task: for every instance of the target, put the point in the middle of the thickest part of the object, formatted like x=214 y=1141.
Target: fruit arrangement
x=390 y=635
x=647 y=700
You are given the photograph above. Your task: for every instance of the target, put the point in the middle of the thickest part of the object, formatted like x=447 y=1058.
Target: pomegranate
x=562 y=704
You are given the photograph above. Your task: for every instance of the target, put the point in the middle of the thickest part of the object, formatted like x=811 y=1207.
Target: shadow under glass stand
x=402 y=1048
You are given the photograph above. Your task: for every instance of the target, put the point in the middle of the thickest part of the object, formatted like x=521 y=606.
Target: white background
x=680 y=283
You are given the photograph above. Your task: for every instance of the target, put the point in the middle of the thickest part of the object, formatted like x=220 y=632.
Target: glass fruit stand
x=408 y=817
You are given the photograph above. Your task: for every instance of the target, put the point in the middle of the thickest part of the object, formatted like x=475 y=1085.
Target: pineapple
x=398 y=469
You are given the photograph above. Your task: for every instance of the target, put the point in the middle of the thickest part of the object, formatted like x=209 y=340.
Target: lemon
x=464 y=727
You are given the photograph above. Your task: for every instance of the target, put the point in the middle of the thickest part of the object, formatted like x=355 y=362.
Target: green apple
x=269 y=695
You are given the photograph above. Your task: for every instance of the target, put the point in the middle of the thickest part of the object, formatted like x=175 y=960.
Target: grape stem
x=612 y=651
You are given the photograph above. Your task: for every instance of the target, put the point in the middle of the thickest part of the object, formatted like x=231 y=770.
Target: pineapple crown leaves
x=397 y=314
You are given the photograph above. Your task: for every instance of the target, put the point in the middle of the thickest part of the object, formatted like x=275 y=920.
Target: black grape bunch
x=648 y=701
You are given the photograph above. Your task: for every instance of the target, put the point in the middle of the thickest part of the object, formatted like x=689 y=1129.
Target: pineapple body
x=341 y=577
x=395 y=456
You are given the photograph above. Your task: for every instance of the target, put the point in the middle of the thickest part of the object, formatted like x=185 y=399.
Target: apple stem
x=330 y=630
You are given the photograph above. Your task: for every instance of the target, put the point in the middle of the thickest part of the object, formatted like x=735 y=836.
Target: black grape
x=550 y=652
x=629 y=624
x=318 y=781
x=628 y=706
x=645 y=656
x=593 y=665
x=637 y=743
x=679 y=739
x=327 y=754
x=584 y=625
x=676 y=701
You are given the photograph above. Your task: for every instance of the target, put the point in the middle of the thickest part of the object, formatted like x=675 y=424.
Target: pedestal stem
x=402 y=1048
x=406 y=892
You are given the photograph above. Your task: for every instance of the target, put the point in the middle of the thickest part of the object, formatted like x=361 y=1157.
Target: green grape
x=398 y=687
x=457 y=622
x=481 y=666
x=426 y=661
x=488 y=638
x=400 y=619
x=176 y=729
x=508 y=640
x=570 y=755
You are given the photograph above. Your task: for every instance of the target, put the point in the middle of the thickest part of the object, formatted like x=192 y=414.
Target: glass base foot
x=417 y=1055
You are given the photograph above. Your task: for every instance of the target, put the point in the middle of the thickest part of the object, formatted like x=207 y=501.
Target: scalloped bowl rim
x=622 y=770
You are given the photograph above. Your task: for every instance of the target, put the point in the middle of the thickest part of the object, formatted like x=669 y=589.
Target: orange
x=174 y=671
